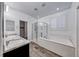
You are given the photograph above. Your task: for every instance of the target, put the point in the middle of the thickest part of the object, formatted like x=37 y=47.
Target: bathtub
x=59 y=45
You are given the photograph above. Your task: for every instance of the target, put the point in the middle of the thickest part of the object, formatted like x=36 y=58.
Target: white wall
x=17 y=16
x=75 y=24
x=75 y=17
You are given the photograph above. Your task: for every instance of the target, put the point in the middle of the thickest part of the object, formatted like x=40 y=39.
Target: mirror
x=10 y=25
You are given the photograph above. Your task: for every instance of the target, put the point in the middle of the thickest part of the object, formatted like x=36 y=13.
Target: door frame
x=26 y=29
x=1 y=27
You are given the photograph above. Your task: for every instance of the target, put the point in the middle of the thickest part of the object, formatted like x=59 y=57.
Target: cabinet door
x=19 y=52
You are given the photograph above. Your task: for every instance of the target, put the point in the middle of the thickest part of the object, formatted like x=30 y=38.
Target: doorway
x=23 y=29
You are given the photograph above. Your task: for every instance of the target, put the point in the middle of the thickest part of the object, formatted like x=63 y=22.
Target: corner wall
x=16 y=16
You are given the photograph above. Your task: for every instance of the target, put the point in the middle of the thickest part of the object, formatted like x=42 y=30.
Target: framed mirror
x=10 y=25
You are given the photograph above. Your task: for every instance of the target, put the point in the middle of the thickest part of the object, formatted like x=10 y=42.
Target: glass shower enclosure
x=40 y=30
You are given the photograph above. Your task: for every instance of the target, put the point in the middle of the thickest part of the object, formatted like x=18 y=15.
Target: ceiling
x=42 y=8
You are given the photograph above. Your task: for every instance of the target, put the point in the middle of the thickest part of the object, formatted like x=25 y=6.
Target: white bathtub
x=60 y=46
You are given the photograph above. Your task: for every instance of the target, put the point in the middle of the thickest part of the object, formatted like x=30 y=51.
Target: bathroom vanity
x=16 y=47
x=22 y=51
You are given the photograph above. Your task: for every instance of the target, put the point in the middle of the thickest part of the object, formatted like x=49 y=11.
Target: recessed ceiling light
x=57 y=9
x=43 y=5
x=35 y=9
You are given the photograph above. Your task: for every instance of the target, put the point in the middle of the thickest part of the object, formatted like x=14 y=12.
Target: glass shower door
x=43 y=30
x=39 y=30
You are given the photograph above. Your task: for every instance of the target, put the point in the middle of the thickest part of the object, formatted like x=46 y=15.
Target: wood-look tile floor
x=38 y=51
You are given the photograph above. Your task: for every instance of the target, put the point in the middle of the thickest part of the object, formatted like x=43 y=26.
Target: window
x=58 y=23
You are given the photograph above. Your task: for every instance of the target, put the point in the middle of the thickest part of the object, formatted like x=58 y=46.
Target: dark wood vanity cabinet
x=19 y=52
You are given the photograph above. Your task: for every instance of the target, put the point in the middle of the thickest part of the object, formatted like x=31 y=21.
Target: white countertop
x=15 y=44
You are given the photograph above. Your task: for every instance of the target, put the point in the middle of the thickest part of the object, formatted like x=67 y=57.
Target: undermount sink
x=11 y=39
x=12 y=44
x=15 y=41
